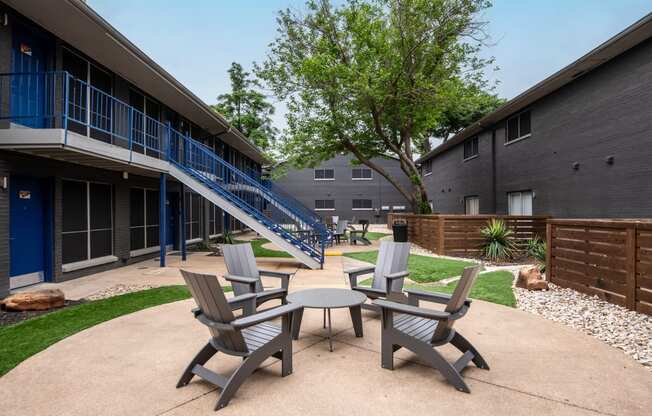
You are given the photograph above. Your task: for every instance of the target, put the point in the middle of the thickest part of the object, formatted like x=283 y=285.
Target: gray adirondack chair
x=245 y=276
x=340 y=230
x=251 y=337
x=388 y=273
x=360 y=236
x=421 y=330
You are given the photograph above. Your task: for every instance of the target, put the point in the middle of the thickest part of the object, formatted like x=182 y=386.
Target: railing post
x=168 y=140
x=65 y=106
x=130 y=122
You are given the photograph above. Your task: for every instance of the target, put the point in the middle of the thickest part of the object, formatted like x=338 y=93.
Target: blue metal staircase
x=290 y=226
x=73 y=105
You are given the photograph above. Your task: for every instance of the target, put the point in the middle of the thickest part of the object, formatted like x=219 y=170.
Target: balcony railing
x=58 y=100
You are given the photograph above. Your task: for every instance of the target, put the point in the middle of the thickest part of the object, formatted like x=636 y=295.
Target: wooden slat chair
x=251 y=337
x=340 y=231
x=420 y=329
x=245 y=276
x=360 y=236
x=388 y=273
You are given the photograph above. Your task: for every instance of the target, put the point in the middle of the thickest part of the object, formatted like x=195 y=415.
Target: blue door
x=30 y=84
x=172 y=207
x=27 y=231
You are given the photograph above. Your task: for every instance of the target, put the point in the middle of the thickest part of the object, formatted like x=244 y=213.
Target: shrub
x=498 y=241
x=536 y=248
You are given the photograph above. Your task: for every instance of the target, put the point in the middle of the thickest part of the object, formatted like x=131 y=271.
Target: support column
x=182 y=221
x=163 y=218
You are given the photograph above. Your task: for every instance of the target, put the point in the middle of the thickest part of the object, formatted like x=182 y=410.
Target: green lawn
x=422 y=269
x=24 y=339
x=260 y=251
x=376 y=236
x=495 y=287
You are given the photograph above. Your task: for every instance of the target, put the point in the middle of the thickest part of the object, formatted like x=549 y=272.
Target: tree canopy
x=372 y=78
x=247 y=108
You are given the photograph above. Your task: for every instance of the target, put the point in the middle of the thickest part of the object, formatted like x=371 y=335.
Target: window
x=87 y=228
x=471 y=205
x=143 y=219
x=324 y=205
x=214 y=220
x=427 y=167
x=471 y=148
x=518 y=127
x=324 y=174
x=520 y=203
x=361 y=174
x=194 y=208
x=362 y=204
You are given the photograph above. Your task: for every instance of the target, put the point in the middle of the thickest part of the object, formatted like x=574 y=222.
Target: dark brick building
x=578 y=144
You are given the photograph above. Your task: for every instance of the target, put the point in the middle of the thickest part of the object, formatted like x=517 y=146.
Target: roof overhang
x=76 y=23
x=623 y=41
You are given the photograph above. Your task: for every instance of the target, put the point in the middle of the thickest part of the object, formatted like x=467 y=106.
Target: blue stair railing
x=248 y=194
x=59 y=100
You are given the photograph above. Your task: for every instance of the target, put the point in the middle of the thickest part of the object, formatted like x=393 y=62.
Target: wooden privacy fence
x=459 y=235
x=608 y=258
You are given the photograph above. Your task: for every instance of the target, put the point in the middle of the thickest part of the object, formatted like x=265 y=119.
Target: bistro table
x=327 y=299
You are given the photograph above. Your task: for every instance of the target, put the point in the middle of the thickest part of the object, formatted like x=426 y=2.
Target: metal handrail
x=101 y=113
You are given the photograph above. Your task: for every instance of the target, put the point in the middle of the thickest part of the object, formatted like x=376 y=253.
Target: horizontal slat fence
x=459 y=235
x=608 y=258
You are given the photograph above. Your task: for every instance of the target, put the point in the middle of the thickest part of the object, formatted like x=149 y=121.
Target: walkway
x=130 y=365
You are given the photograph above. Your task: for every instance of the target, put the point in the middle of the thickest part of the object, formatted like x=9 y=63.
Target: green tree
x=247 y=109
x=371 y=78
x=466 y=103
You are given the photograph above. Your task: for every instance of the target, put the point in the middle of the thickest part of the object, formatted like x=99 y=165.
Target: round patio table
x=327 y=299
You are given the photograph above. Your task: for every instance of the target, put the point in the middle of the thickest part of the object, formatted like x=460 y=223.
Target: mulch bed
x=11 y=318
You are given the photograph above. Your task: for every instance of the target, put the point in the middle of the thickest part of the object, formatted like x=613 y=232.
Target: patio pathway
x=130 y=365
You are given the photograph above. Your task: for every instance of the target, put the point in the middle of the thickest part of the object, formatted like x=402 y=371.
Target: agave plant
x=498 y=241
x=536 y=248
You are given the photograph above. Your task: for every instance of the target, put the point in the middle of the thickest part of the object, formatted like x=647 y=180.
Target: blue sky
x=197 y=40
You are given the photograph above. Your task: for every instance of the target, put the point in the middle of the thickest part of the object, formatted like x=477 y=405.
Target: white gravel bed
x=617 y=326
x=120 y=289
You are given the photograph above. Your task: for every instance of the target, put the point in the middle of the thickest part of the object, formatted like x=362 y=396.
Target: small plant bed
x=494 y=287
x=260 y=251
x=14 y=317
x=423 y=269
x=20 y=341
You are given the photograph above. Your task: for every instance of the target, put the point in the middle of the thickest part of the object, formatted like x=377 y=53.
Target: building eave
x=615 y=46
x=79 y=25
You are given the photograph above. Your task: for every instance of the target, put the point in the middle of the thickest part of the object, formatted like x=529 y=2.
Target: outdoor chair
x=245 y=276
x=421 y=330
x=360 y=236
x=340 y=231
x=388 y=273
x=249 y=336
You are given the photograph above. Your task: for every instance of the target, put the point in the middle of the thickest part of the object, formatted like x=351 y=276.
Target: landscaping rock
x=530 y=278
x=35 y=301
x=621 y=328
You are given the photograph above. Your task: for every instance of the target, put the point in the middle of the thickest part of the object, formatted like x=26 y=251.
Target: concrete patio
x=130 y=365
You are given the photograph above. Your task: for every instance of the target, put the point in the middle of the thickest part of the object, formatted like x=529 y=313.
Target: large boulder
x=530 y=278
x=35 y=301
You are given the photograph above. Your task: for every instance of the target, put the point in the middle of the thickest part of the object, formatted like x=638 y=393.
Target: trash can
x=400 y=229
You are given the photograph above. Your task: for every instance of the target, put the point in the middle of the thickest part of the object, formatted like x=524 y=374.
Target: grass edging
x=20 y=341
x=423 y=269
x=260 y=251
x=494 y=287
